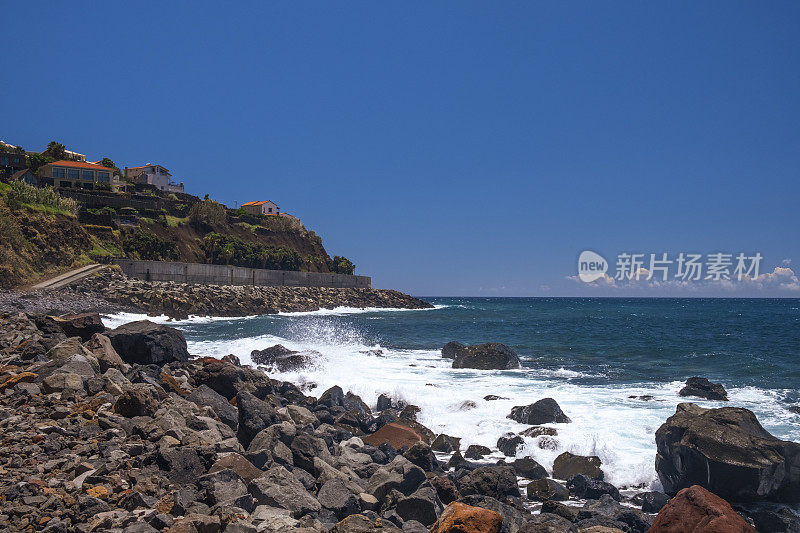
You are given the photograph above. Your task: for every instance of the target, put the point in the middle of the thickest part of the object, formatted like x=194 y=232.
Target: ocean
x=590 y=354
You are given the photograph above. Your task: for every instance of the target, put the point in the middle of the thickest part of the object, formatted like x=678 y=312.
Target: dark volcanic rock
x=544 y=411
x=421 y=455
x=445 y=444
x=495 y=481
x=183 y=465
x=587 y=488
x=422 y=505
x=82 y=325
x=509 y=444
x=651 y=502
x=445 y=489
x=451 y=349
x=254 y=415
x=282 y=359
x=546 y=489
x=146 y=343
x=728 y=452
x=206 y=396
x=567 y=465
x=528 y=468
x=476 y=451
x=703 y=388
x=489 y=356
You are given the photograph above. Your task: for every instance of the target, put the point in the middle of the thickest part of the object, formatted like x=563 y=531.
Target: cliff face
x=36 y=241
x=33 y=244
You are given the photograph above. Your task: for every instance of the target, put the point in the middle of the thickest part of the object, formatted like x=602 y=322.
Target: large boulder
x=495 y=481
x=396 y=435
x=509 y=444
x=253 y=416
x=82 y=325
x=528 y=468
x=546 y=489
x=145 y=343
x=451 y=349
x=699 y=511
x=489 y=356
x=567 y=465
x=462 y=518
x=585 y=487
x=107 y=357
x=544 y=411
x=728 y=452
x=513 y=518
x=208 y=397
x=422 y=505
x=281 y=359
x=702 y=388
x=280 y=488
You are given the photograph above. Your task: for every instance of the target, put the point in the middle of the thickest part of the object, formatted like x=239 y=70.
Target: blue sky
x=447 y=148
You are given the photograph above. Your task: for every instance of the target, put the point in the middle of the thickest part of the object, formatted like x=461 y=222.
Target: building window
x=16 y=160
x=269 y=210
x=59 y=172
x=72 y=173
x=3 y=160
x=65 y=184
x=103 y=176
x=87 y=175
x=89 y=186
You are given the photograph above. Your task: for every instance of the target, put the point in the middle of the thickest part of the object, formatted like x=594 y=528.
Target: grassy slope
x=37 y=241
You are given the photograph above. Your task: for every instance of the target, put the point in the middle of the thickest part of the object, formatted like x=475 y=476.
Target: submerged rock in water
x=451 y=349
x=696 y=509
x=567 y=465
x=729 y=453
x=509 y=444
x=544 y=411
x=476 y=451
x=702 y=388
x=489 y=356
x=282 y=359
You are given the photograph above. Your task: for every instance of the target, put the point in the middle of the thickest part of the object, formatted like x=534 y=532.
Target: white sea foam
x=606 y=421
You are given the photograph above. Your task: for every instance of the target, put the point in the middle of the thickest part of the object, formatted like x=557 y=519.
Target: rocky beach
x=110 y=291
x=124 y=430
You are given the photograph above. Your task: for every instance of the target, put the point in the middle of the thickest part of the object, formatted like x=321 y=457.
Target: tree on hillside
x=107 y=162
x=56 y=150
x=341 y=265
x=37 y=160
x=207 y=214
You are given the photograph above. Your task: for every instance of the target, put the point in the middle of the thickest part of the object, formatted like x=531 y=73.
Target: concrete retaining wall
x=231 y=275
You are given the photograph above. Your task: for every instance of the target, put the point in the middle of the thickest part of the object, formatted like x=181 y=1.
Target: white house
x=155 y=175
x=264 y=207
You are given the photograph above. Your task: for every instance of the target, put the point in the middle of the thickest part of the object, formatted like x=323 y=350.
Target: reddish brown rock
x=695 y=510
x=462 y=518
x=445 y=489
x=395 y=434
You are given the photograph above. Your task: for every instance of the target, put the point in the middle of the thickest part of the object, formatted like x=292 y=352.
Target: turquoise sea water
x=591 y=355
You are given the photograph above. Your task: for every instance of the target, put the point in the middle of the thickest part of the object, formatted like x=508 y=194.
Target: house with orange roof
x=263 y=207
x=77 y=175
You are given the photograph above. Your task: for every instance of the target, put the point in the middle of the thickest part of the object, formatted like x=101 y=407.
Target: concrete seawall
x=231 y=275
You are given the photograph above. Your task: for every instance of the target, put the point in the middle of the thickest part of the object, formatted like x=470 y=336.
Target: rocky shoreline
x=122 y=430
x=111 y=291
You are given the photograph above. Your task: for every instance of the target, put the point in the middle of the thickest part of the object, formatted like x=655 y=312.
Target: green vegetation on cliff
x=43 y=233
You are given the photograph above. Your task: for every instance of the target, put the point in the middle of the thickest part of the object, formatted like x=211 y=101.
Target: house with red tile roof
x=77 y=175
x=263 y=207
